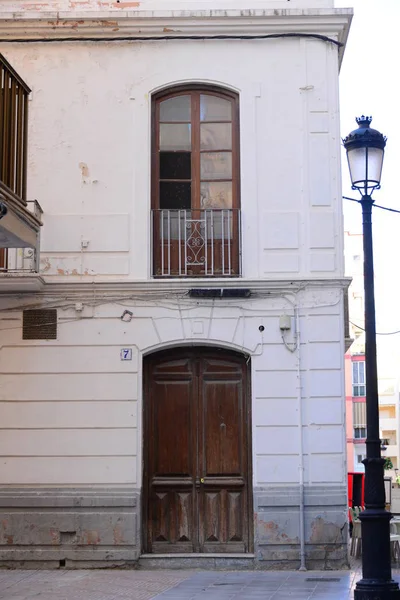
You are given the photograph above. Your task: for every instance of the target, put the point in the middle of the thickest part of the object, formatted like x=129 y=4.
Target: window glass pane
x=215 y=136
x=213 y=108
x=175 y=137
x=175 y=194
x=175 y=165
x=219 y=224
x=216 y=194
x=361 y=372
x=355 y=372
x=175 y=109
x=216 y=165
x=172 y=224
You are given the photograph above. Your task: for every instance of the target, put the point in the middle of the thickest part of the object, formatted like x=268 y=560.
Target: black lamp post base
x=367 y=589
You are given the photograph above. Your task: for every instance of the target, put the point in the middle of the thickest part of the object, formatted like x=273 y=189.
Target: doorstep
x=197 y=561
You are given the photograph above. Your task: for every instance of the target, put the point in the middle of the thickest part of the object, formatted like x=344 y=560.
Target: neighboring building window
x=360 y=433
x=359 y=378
x=360 y=458
x=195 y=182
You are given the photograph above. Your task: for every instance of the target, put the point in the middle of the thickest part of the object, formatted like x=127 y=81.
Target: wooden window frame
x=195 y=91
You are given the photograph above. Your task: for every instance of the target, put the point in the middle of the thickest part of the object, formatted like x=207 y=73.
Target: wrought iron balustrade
x=18 y=260
x=196 y=243
x=22 y=260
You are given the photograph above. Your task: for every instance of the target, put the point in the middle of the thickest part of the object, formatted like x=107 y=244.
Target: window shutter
x=359 y=414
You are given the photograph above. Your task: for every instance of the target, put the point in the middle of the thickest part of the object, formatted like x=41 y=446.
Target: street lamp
x=365 y=149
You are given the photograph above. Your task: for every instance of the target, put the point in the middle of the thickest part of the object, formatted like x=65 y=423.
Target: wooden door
x=3 y=259
x=196 y=471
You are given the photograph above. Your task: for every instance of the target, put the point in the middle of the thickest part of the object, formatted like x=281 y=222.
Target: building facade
x=172 y=378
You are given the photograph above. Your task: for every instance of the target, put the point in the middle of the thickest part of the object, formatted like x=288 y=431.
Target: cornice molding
x=14 y=284
x=114 y=24
x=47 y=286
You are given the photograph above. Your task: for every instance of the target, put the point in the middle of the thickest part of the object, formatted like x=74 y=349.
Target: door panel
x=196 y=459
x=172 y=428
x=224 y=521
x=172 y=519
x=223 y=457
x=222 y=431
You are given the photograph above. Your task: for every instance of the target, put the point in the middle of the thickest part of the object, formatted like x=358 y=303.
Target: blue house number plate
x=126 y=354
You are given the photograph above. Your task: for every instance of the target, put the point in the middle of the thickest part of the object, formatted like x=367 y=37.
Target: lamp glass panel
x=356 y=158
x=375 y=163
x=365 y=165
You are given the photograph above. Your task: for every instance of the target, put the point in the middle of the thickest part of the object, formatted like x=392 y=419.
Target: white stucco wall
x=71 y=410
x=89 y=151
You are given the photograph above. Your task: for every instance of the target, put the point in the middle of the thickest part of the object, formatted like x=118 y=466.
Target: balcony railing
x=196 y=243
x=23 y=260
x=18 y=260
x=13 y=129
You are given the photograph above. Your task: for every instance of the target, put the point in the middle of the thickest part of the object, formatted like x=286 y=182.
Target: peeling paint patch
x=92 y=537
x=35 y=6
x=126 y=4
x=325 y=532
x=55 y=536
x=271 y=533
x=84 y=169
x=108 y=23
x=118 y=535
x=45 y=265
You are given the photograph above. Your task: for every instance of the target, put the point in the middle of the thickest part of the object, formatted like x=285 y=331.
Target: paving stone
x=116 y=584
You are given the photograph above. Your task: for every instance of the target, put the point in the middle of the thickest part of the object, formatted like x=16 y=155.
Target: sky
x=370 y=85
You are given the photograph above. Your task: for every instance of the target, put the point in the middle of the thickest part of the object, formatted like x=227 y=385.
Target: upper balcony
x=20 y=221
x=196 y=243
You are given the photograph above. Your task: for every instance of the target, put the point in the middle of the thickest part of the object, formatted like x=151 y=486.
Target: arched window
x=195 y=182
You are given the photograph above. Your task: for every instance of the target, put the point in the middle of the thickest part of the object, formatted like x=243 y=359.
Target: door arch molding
x=240 y=351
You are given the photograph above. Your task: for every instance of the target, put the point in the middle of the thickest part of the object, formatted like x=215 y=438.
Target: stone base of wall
x=79 y=528
x=98 y=528
x=277 y=527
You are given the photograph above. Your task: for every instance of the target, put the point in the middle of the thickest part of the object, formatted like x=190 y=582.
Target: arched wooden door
x=197 y=478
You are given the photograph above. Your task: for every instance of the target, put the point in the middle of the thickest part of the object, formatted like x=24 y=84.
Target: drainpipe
x=301 y=456
x=296 y=348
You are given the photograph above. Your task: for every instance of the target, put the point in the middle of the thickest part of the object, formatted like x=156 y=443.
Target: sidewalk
x=177 y=585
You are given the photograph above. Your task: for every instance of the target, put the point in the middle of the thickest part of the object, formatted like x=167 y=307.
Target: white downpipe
x=301 y=456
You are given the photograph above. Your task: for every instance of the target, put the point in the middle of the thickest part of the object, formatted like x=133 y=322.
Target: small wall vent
x=39 y=324
x=219 y=293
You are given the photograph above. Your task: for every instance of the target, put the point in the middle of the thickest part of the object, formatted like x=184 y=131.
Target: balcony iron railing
x=18 y=260
x=13 y=129
x=196 y=243
x=23 y=260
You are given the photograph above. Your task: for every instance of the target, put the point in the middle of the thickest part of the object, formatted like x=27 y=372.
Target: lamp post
x=365 y=149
